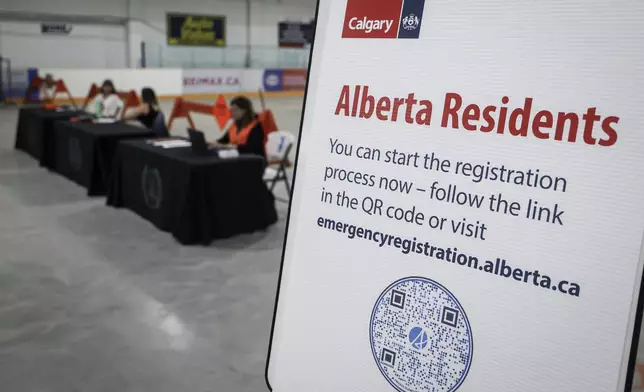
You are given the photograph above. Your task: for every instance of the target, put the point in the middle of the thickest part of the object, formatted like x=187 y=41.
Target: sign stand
x=467 y=211
x=637 y=328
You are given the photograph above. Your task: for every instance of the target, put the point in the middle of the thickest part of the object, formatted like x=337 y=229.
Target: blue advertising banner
x=31 y=75
x=273 y=79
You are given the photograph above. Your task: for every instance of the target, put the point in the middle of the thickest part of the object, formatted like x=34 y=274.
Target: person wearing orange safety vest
x=245 y=131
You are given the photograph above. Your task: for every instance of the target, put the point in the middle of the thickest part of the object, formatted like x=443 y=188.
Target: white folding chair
x=278 y=148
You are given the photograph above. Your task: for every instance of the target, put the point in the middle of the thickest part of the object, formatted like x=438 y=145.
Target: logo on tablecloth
x=152 y=187
x=75 y=156
x=420 y=337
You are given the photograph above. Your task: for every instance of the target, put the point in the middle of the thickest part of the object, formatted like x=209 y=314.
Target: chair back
x=279 y=145
x=159 y=126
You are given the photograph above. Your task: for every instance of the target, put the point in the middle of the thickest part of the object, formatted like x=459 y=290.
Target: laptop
x=199 y=144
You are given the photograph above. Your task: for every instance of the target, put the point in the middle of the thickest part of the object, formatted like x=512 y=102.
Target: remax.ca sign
x=212 y=81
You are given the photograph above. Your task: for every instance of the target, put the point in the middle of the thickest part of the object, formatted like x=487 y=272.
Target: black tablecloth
x=84 y=151
x=196 y=198
x=35 y=132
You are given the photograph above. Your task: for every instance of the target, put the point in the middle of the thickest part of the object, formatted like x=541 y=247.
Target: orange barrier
x=266 y=117
x=267 y=120
x=262 y=99
x=182 y=109
x=59 y=87
x=269 y=125
x=129 y=98
x=93 y=91
x=220 y=111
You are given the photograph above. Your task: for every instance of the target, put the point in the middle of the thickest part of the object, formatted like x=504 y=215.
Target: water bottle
x=99 y=109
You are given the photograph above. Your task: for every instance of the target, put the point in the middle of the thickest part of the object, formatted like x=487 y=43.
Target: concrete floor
x=95 y=299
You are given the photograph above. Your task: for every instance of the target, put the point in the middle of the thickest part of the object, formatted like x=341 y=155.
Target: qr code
x=420 y=337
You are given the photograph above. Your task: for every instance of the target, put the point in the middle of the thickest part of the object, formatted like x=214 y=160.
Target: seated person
x=146 y=113
x=47 y=88
x=245 y=132
x=107 y=104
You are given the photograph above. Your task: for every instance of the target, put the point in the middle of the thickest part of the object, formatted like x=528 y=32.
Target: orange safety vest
x=240 y=138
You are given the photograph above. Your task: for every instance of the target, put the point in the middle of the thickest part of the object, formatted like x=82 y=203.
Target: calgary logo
x=363 y=20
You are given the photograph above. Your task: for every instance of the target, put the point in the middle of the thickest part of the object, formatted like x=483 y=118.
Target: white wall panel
x=68 y=7
x=166 y=82
x=101 y=47
x=85 y=47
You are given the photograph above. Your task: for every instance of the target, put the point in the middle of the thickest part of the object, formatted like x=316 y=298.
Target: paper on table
x=173 y=143
x=105 y=121
x=228 y=153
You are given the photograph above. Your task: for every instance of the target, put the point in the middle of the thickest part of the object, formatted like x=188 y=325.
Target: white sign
x=212 y=81
x=469 y=206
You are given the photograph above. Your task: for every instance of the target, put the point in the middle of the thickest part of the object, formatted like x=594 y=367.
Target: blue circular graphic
x=272 y=80
x=420 y=337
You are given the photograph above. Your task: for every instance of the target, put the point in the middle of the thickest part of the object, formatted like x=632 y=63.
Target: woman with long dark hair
x=245 y=132
x=148 y=111
x=107 y=103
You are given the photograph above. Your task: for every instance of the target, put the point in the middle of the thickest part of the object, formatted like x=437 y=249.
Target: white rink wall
x=175 y=82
